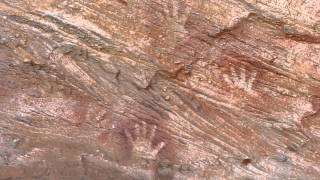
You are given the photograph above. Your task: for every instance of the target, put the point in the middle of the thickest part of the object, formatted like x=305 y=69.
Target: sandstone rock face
x=159 y=89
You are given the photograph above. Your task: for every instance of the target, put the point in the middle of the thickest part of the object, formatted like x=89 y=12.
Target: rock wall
x=159 y=89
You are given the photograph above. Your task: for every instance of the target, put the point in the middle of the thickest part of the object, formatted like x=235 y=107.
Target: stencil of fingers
x=240 y=80
x=142 y=144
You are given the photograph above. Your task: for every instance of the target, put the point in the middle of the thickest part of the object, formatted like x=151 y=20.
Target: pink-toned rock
x=232 y=88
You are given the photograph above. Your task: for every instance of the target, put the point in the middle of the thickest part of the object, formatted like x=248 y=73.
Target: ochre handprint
x=142 y=144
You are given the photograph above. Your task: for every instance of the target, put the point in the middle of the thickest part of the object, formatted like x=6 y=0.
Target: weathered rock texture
x=159 y=89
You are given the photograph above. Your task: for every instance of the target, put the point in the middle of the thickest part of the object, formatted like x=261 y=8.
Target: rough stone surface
x=159 y=89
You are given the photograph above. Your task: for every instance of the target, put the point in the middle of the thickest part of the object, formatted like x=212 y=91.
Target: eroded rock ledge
x=154 y=89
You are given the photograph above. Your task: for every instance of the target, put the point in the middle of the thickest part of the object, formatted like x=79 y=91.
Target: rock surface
x=159 y=89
